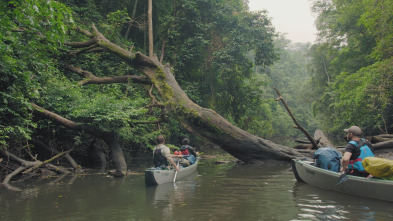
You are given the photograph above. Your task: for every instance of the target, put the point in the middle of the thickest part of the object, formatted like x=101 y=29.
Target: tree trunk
x=150 y=24
x=198 y=120
x=110 y=139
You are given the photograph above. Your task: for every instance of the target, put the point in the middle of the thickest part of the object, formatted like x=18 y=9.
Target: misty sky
x=293 y=17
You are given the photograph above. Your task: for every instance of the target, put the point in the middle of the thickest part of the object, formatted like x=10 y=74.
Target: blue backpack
x=328 y=158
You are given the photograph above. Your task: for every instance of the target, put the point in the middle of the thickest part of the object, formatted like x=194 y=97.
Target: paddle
x=343 y=177
x=174 y=179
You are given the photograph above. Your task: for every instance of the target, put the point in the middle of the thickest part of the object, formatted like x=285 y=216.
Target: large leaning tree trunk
x=197 y=120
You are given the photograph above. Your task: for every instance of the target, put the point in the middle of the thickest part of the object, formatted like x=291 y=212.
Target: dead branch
x=92 y=79
x=67 y=156
x=298 y=126
x=25 y=164
x=82 y=44
x=47 y=162
x=91 y=48
x=14 y=173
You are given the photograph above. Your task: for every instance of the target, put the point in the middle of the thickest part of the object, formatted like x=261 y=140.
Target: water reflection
x=215 y=192
x=320 y=204
x=167 y=197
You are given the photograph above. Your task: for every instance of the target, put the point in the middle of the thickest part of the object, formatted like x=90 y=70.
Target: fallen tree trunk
x=198 y=120
x=323 y=140
x=383 y=145
x=380 y=138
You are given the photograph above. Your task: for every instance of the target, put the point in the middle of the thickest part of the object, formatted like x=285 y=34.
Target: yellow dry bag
x=378 y=167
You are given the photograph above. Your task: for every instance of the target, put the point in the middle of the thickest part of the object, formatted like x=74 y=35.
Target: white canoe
x=305 y=171
x=155 y=177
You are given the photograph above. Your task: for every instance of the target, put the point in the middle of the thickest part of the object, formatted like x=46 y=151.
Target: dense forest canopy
x=352 y=64
x=223 y=56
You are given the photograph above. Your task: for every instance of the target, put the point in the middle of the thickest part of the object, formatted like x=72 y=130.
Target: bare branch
x=14 y=173
x=92 y=79
x=83 y=31
x=47 y=162
x=81 y=44
x=67 y=156
x=91 y=48
x=298 y=126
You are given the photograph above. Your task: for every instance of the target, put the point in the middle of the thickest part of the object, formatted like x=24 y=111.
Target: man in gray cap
x=355 y=151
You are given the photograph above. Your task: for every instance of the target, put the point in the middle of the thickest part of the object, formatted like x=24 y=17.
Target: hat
x=355 y=130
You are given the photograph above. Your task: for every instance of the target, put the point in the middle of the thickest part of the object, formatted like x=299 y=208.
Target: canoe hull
x=304 y=171
x=156 y=177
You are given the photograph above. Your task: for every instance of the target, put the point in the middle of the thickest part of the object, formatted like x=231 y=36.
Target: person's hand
x=177 y=168
x=342 y=170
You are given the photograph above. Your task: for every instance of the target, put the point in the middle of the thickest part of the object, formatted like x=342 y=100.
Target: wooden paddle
x=174 y=179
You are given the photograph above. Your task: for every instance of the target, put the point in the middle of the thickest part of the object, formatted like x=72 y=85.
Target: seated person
x=355 y=151
x=161 y=154
x=188 y=151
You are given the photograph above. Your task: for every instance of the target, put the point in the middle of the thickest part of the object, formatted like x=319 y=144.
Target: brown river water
x=215 y=192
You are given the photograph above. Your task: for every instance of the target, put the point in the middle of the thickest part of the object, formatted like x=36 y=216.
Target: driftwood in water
x=30 y=166
x=298 y=126
x=54 y=150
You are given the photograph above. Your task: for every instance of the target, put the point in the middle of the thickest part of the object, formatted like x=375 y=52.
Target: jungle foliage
x=213 y=48
x=352 y=64
x=223 y=56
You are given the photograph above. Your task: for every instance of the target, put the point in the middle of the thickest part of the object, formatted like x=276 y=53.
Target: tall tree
x=150 y=24
x=204 y=122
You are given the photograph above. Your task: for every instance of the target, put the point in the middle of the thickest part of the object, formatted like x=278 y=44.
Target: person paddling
x=355 y=151
x=162 y=156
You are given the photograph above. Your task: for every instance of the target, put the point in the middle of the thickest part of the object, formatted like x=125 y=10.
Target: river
x=214 y=192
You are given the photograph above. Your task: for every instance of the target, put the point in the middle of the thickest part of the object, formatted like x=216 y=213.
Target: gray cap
x=355 y=130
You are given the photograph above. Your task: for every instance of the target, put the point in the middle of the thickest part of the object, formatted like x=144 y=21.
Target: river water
x=214 y=192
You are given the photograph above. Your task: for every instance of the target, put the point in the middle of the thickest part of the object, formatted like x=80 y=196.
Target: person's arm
x=167 y=154
x=345 y=161
x=349 y=150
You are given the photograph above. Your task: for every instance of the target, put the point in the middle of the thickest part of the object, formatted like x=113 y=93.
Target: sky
x=293 y=17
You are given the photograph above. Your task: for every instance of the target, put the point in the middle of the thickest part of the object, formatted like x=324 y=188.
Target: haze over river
x=215 y=192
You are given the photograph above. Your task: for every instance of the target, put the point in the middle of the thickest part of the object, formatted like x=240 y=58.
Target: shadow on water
x=215 y=192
